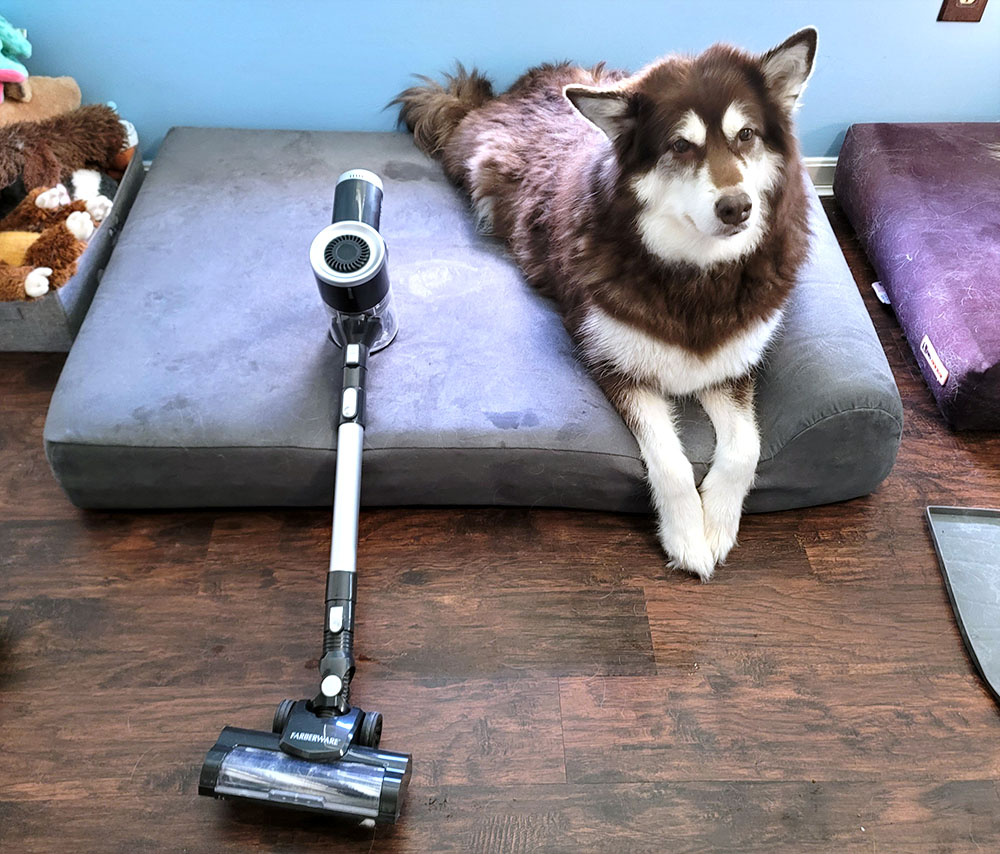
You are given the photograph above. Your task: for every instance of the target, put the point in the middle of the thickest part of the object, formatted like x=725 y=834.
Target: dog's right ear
x=788 y=67
x=609 y=109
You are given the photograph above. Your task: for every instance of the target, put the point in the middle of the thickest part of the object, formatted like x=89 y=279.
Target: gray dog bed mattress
x=203 y=375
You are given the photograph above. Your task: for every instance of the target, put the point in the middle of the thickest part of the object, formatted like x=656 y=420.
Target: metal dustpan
x=967 y=540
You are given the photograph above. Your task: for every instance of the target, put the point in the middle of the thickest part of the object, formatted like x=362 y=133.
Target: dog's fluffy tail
x=432 y=111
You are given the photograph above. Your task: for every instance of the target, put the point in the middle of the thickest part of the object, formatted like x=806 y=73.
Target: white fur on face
x=678 y=222
x=692 y=128
x=734 y=121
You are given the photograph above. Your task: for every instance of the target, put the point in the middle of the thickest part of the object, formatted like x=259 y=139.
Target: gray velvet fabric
x=203 y=375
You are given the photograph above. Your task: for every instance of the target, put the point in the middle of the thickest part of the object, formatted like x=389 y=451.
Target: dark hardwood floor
x=560 y=691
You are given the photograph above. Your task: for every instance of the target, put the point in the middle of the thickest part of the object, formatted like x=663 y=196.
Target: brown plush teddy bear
x=39 y=247
x=42 y=154
x=46 y=97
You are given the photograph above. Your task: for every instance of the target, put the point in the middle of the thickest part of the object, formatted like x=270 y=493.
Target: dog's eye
x=745 y=135
x=679 y=146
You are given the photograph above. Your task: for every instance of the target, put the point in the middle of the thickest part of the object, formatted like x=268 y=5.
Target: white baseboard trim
x=821 y=169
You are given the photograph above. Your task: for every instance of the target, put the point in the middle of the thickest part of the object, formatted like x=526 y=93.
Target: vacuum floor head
x=363 y=784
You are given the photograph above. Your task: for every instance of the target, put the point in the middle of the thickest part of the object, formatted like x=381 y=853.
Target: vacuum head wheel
x=281 y=715
x=371 y=730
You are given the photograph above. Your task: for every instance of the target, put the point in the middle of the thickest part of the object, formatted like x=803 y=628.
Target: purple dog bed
x=925 y=202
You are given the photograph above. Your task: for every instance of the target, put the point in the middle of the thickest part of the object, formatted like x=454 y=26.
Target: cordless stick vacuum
x=322 y=754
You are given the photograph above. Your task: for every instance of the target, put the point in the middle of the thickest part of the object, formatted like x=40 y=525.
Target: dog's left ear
x=788 y=66
x=609 y=109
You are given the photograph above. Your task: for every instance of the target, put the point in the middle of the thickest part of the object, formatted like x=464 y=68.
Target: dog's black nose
x=734 y=208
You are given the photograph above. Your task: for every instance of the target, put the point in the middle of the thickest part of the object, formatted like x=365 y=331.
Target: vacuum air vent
x=347 y=253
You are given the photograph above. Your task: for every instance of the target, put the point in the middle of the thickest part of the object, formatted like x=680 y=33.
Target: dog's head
x=704 y=143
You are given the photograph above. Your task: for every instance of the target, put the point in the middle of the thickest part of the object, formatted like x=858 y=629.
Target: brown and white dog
x=665 y=212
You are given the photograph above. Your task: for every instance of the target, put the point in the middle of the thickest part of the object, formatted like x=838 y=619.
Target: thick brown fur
x=27 y=216
x=59 y=249
x=56 y=248
x=45 y=153
x=666 y=214
x=436 y=110
x=12 y=282
x=562 y=194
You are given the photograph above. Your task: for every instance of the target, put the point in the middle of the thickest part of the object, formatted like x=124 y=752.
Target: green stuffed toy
x=13 y=43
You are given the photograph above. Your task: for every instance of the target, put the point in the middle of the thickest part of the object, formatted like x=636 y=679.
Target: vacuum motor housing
x=349 y=258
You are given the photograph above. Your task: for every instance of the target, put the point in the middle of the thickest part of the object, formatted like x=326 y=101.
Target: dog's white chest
x=673 y=369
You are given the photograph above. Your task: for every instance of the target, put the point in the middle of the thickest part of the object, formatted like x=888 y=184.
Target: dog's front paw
x=721 y=538
x=37 y=282
x=54 y=198
x=99 y=207
x=722 y=524
x=690 y=552
x=80 y=225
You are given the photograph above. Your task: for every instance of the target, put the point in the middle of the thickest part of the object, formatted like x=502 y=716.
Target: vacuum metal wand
x=343 y=554
x=337 y=664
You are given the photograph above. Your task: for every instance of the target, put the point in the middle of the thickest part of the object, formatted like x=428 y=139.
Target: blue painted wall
x=333 y=65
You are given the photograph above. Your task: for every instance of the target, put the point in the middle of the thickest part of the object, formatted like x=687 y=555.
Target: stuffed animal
x=16 y=91
x=39 y=247
x=124 y=157
x=41 y=209
x=13 y=44
x=42 y=154
x=93 y=188
x=50 y=96
x=39 y=262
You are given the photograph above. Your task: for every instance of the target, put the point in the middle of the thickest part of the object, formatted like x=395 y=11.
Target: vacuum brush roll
x=365 y=783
